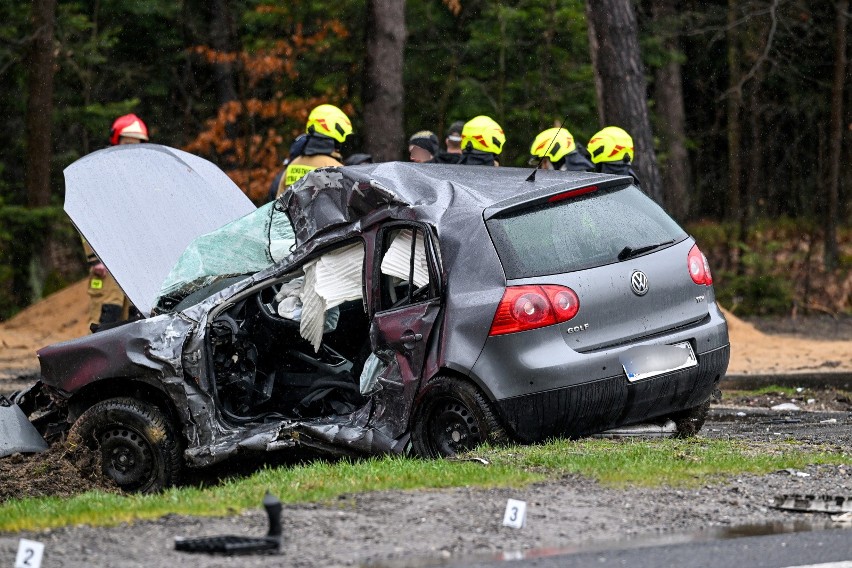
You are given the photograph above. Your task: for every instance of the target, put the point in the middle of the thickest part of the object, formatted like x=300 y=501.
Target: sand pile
x=62 y=316
x=59 y=317
x=756 y=353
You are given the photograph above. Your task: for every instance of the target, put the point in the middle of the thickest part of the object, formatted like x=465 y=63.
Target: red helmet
x=129 y=126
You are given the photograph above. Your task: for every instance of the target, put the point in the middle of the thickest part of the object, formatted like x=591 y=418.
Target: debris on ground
x=809 y=399
x=55 y=472
x=231 y=544
x=814 y=503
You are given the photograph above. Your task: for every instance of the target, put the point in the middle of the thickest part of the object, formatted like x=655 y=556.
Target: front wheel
x=137 y=443
x=452 y=417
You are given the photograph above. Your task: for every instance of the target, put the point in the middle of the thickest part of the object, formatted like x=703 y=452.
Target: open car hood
x=140 y=205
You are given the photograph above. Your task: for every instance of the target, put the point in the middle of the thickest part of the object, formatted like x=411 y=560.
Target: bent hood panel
x=140 y=205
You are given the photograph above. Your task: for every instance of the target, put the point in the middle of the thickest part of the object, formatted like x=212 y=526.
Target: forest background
x=741 y=109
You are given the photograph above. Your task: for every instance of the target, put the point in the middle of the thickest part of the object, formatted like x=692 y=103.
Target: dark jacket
x=477 y=158
x=619 y=168
x=446 y=158
x=575 y=162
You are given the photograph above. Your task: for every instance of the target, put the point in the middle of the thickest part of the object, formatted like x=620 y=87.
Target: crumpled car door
x=407 y=307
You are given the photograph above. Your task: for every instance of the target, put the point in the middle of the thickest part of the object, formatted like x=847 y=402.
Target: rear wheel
x=689 y=422
x=453 y=416
x=138 y=447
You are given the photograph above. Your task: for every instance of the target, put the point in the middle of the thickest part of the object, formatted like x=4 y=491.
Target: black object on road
x=231 y=544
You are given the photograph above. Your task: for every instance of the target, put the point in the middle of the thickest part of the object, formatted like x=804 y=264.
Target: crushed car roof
x=332 y=197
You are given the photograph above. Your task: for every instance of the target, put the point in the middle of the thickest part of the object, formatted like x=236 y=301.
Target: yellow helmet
x=483 y=133
x=553 y=143
x=612 y=144
x=330 y=121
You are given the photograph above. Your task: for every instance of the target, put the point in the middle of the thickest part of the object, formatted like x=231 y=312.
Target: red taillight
x=699 y=268
x=531 y=307
x=572 y=193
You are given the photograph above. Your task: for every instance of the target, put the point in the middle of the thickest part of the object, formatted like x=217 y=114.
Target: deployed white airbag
x=330 y=280
x=397 y=260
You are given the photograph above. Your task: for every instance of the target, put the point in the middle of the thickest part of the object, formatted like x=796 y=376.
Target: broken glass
x=245 y=246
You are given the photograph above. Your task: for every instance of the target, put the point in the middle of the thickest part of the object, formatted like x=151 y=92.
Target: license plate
x=647 y=361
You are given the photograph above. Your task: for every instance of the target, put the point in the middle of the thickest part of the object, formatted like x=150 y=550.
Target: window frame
x=378 y=287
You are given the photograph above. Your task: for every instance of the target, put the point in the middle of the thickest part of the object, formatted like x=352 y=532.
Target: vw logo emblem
x=639 y=283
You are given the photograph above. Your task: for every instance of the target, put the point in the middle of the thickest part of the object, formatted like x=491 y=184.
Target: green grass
x=771 y=389
x=614 y=463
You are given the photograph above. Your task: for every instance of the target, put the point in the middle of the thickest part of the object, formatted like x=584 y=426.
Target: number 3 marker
x=516 y=514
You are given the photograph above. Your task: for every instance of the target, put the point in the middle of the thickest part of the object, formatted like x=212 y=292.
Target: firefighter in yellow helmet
x=326 y=130
x=107 y=302
x=612 y=152
x=482 y=141
x=555 y=149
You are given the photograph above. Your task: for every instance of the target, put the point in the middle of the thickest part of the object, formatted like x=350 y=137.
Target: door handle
x=411 y=337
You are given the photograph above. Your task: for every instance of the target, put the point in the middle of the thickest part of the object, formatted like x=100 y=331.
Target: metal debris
x=669 y=428
x=231 y=544
x=814 y=503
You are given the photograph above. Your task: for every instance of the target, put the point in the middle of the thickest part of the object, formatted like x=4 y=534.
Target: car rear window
x=580 y=233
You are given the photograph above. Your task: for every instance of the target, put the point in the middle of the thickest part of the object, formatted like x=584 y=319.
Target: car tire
x=137 y=445
x=453 y=416
x=689 y=422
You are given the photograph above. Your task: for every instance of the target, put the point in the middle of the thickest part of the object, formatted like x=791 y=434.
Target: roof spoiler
x=553 y=193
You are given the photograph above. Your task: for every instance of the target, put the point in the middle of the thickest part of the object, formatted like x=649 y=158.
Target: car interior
x=262 y=361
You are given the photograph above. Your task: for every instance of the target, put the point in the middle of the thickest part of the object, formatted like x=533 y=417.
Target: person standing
x=326 y=129
x=555 y=149
x=107 y=302
x=482 y=142
x=422 y=146
x=612 y=152
x=453 y=153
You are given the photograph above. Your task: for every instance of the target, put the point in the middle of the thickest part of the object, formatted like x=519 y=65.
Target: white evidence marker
x=516 y=514
x=29 y=554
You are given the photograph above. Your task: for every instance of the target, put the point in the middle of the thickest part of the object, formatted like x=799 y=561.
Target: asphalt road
x=827 y=548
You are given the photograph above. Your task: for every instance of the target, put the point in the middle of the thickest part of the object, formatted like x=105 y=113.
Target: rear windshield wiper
x=630 y=252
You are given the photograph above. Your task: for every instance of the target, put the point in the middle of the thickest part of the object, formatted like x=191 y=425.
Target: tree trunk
x=622 y=88
x=383 y=89
x=671 y=117
x=836 y=138
x=222 y=40
x=40 y=102
x=734 y=102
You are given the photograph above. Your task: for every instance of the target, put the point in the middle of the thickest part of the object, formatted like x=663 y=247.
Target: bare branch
x=764 y=56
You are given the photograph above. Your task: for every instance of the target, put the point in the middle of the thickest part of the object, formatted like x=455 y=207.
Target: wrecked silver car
x=384 y=308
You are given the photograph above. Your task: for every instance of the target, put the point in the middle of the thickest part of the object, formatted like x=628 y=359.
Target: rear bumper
x=542 y=389
x=611 y=402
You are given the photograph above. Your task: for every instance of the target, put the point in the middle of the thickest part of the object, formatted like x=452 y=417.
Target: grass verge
x=617 y=463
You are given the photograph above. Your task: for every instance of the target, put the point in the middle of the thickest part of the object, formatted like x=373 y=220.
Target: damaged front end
x=17 y=434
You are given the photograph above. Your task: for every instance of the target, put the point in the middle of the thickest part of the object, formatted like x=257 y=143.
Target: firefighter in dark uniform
x=482 y=142
x=555 y=149
x=327 y=129
x=612 y=152
x=107 y=302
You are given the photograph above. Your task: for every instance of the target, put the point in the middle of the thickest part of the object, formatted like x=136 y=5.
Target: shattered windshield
x=245 y=246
